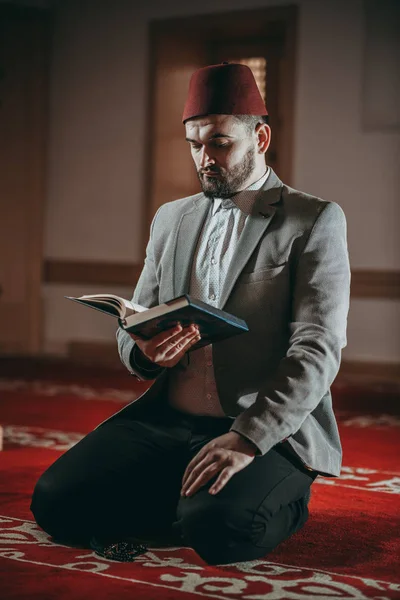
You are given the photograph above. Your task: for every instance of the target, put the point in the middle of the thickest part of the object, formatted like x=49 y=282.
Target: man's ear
x=263 y=133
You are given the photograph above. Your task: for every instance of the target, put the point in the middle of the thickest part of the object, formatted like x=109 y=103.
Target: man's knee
x=224 y=533
x=55 y=509
x=216 y=531
x=44 y=500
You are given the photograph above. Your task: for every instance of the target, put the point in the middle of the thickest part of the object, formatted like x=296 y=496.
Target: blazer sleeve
x=147 y=294
x=317 y=335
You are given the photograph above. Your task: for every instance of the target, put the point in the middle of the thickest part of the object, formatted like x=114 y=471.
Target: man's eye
x=195 y=147
x=220 y=144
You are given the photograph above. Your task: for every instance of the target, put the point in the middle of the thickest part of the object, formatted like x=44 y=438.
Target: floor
x=349 y=548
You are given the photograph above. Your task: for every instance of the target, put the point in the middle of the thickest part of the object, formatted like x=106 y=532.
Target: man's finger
x=202 y=479
x=189 y=469
x=222 y=480
x=195 y=460
x=196 y=470
x=175 y=332
x=179 y=345
x=164 y=336
x=161 y=337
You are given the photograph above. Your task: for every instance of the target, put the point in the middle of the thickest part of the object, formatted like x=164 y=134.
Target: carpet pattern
x=349 y=548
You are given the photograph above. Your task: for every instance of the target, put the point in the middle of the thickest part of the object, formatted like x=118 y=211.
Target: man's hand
x=226 y=455
x=168 y=347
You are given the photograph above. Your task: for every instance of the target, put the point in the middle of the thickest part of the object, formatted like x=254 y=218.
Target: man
x=222 y=449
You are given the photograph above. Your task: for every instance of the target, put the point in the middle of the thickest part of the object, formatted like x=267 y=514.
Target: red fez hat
x=225 y=89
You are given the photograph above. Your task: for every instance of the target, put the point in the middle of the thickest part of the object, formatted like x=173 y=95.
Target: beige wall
x=98 y=136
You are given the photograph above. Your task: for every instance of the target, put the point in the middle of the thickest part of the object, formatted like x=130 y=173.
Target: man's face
x=224 y=153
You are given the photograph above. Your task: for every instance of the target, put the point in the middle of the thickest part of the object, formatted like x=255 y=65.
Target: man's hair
x=251 y=121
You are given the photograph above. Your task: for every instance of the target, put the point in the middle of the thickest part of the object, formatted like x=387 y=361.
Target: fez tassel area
x=349 y=548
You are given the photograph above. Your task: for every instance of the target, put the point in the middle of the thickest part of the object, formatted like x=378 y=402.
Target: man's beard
x=225 y=186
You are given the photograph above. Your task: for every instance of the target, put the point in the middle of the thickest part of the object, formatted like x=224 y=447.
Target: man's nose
x=205 y=159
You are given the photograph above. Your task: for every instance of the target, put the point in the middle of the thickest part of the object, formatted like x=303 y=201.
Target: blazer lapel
x=189 y=230
x=255 y=227
x=190 y=227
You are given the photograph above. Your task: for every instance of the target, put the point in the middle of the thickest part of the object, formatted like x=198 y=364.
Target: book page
x=124 y=307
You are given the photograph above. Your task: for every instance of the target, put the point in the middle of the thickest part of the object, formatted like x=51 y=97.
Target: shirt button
x=213 y=261
x=209 y=363
x=208 y=396
x=212 y=297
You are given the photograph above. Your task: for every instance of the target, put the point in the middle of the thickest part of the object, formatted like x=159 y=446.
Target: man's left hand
x=226 y=455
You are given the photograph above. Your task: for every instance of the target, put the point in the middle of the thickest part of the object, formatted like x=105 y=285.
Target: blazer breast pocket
x=261 y=274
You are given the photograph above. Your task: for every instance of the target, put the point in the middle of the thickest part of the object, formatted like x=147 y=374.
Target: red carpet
x=350 y=547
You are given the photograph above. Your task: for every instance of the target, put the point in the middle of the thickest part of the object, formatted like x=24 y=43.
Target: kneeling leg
x=259 y=507
x=109 y=484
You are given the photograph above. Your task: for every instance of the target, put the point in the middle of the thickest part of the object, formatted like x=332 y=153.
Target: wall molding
x=369 y=283
x=91 y=272
x=365 y=283
x=354 y=370
x=102 y=354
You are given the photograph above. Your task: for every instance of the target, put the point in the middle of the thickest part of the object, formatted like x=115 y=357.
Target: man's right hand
x=168 y=347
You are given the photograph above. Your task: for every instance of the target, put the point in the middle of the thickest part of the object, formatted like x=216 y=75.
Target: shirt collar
x=245 y=199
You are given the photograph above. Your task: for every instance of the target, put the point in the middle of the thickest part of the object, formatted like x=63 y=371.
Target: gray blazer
x=289 y=279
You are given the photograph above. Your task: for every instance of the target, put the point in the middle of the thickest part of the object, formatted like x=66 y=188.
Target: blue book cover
x=214 y=324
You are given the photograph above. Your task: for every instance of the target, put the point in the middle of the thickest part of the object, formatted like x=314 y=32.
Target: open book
x=214 y=324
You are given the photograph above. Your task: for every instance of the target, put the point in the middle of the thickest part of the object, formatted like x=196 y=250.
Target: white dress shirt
x=193 y=389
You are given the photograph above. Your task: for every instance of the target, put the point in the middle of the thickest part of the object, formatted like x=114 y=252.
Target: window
x=259 y=67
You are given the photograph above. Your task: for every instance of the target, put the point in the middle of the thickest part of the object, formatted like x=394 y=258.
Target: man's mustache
x=208 y=171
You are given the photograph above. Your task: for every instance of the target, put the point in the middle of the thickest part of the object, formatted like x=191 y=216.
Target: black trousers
x=124 y=480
